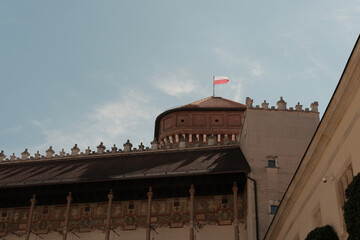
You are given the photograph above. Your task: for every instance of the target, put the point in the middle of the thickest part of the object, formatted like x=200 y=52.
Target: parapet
x=281 y=105
x=128 y=149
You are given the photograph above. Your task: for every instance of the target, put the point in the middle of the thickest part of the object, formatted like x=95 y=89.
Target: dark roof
x=214 y=102
x=122 y=166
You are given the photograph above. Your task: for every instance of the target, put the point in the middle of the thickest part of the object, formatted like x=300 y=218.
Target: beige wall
x=311 y=201
x=279 y=134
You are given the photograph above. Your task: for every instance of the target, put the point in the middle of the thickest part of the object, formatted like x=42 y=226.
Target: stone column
x=67 y=214
x=28 y=226
x=236 y=214
x=108 y=225
x=148 y=220
x=192 y=194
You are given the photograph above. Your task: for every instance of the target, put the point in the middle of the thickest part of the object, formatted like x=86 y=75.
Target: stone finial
x=62 y=153
x=2 y=155
x=249 y=102
x=37 y=155
x=155 y=144
x=25 y=155
x=12 y=157
x=281 y=104
x=127 y=146
x=50 y=152
x=141 y=147
x=101 y=148
x=265 y=105
x=75 y=150
x=298 y=107
x=88 y=150
x=314 y=106
x=114 y=149
x=226 y=139
x=211 y=140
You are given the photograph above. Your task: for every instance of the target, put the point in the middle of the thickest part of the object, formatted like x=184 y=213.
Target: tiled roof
x=214 y=102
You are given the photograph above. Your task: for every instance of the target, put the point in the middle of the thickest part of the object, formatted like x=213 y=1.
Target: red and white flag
x=220 y=80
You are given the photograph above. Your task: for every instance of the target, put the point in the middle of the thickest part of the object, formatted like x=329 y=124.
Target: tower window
x=273 y=209
x=216 y=120
x=182 y=120
x=271 y=163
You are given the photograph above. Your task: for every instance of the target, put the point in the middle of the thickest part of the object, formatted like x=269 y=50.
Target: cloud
x=175 y=83
x=236 y=86
x=254 y=68
x=109 y=122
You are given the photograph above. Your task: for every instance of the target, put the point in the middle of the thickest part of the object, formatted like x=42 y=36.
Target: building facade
x=316 y=194
x=216 y=169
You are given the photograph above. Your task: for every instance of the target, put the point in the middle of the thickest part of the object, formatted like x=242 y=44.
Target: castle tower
x=214 y=118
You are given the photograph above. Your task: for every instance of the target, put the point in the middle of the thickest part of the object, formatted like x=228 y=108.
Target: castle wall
x=273 y=142
x=316 y=194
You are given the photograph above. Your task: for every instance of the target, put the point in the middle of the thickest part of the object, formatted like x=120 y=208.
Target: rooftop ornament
x=2 y=156
x=101 y=148
x=50 y=152
x=127 y=146
x=25 y=155
x=75 y=150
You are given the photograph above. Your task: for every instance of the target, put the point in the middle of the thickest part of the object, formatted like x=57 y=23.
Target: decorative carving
x=265 y=105
x=127 y=146
x=37 y=155
x=62 y=153
x=281 y=104
x=298 y=107
x=12 y=157
x=114 y=149
x=88 y=150
x=50 y=152
x=2 y=156
x=314 y=106
x=141 y=147
x=249 y=102
x=101 y=148
x=75 y=150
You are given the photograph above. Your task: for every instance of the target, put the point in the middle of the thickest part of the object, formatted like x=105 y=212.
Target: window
x=271 y=163
x=273 y=209
x=273 y=206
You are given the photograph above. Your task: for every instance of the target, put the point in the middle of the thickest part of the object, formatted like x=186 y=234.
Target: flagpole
x=213 y=86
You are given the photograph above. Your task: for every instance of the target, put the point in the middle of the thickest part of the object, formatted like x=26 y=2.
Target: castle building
x=216 y=169
x=316 y=194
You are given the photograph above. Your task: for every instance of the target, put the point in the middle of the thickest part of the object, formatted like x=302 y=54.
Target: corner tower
x=210 y=119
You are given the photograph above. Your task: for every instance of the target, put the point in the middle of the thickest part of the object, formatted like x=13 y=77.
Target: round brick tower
x=210 y=119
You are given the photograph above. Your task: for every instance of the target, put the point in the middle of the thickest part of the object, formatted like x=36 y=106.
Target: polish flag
x=220 y=80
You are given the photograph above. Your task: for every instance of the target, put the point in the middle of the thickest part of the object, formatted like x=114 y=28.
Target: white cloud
x=109 y=122
x=236 y=89
x=254 y=68
x=175 y=83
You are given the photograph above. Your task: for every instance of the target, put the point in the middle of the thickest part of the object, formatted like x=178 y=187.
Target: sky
x=90 y=71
